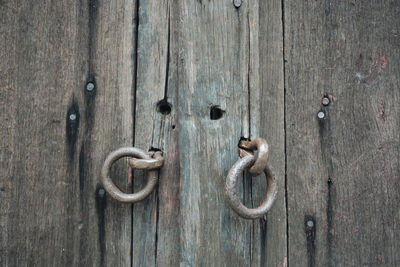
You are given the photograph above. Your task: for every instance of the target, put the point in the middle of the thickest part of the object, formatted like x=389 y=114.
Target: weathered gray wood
x=156 y=91
x=152 y=56
x=195 y=55
x=213 y=70
x=269 y=241
x=343 y=171
x=53 y=211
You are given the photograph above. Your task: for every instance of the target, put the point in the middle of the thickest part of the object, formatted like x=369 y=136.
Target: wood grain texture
x=195 y=55
x=154 y=130
x=343 y=171
x=53 y=211
x=213 y=70
x=269 y=241
x=156 y=93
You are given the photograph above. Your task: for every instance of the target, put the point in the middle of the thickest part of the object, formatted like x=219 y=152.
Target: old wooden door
x=317 y=79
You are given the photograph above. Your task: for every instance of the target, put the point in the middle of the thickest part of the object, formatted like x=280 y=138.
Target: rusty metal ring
x=262 y=148
x=113 y=190
x=233 y=197
x=145 y=164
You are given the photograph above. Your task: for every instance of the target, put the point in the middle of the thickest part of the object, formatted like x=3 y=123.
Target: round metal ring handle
x=262 y=148
x=233 y=197
x=113 y=190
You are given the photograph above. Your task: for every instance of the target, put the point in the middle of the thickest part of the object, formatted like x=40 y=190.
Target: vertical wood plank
x=269 y=241
x=108 y=115
x=156 y=121
x=153 y=124
x=213 y=71
x=193 y=56
x=343 y=170
x=56 y=133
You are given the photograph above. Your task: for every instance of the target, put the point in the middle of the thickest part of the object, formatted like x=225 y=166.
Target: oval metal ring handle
x=247 y=161
x=262 y=148
x=113 y=190
x=233 y=197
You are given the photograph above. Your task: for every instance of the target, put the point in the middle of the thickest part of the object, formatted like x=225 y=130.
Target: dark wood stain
x=82 y=175
x=263 y=239
x=327 y=149
x=329 y=220
x=310 y=233
x=101 y=204
x=90 y=97
x=71 y=128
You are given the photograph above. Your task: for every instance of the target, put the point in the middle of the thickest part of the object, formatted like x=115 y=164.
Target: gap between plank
x=161 y=144
x=284 y=127
x=134 y=89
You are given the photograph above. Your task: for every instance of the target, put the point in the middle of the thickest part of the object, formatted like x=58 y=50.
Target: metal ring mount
x=262 y=148
x=152 y=173
x=247 y=161
x=147 y=164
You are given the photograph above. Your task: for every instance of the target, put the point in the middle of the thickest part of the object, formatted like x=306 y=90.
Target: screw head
x=237 y=3
x=321 y=115
x=90 y=86
x=101 y=192
x=310 y=223
x=325 y=101
x=72 y=117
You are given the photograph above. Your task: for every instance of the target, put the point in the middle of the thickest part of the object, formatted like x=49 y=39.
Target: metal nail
x=237 y=3
x=325 y=101
x=90 y=86
x=101 y=192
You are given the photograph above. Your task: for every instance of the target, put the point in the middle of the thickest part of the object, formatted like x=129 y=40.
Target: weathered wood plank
x=153 y=128
x=214 y=50
x=343 y=171
x=169 y=226
x=56 y=134
x=269 y=241
x=156 y=128
x=213 y=70
x=194 y=56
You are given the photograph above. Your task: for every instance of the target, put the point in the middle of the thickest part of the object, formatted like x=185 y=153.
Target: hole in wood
x=242 y=138
x=154 y=149
x=216 y=113
x=164 y=107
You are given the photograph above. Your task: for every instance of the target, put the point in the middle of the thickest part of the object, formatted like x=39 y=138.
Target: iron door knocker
x=256 y=164
x=140 y=160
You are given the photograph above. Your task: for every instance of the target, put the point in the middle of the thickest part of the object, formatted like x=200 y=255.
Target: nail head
x=325 y=101
x=237 y=3
x=90 y=86
x=72 y=117
x=101 y=192
x=310 y=223
x=321 y=115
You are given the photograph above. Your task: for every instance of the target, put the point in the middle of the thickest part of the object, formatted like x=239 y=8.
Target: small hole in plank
x=164 y=107
x=154 y=149
x=216 y=113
